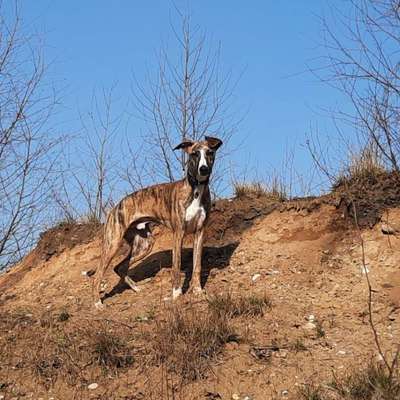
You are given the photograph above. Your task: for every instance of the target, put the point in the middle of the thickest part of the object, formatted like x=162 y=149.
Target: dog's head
x=201 y=155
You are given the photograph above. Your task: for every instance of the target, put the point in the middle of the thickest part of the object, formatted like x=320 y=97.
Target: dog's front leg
x=195 y=284
x=176 y=264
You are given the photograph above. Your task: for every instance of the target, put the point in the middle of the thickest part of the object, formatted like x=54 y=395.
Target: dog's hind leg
x=142 y=245
x=107 y=258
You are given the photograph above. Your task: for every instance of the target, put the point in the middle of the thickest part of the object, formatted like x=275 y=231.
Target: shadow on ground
x=213 y=258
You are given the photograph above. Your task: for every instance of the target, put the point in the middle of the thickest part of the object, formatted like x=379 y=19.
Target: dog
x=182 y=206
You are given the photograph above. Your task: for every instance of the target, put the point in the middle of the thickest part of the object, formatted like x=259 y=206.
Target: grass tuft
x=372 y=383
x=188 y=341
x=275 y=191
x=232 y=306
x=362 y=166
x=109 y=350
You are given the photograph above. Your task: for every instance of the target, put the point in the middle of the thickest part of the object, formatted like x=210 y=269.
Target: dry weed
x=187 y=341
x=232 y=306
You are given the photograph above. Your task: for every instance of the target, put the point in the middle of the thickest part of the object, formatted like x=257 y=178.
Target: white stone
x=99 y=305
x=93 y=386
x=255 y=277
x=364 y=269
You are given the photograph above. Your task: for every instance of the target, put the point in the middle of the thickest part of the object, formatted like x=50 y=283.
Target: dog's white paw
x=197 y=290
x=132 y=284
x=176 y=293
x=99 y=305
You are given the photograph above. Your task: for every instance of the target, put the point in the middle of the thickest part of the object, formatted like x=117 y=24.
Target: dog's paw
x=176 y=293
x=197 y=290
x=132 y=284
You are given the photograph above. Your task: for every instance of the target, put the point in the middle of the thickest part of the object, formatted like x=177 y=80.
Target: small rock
x=142 y=318
x=364 y=269
x=285 y=392
x=341 y=352
x=255 y=277
x=28 y=315
x=235 y=396
x=93 y=386
x=84 y=273
x=311 y=318
x=309 y=326
x=388 y=230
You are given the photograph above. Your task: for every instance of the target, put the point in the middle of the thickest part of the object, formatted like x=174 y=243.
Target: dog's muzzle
x=204 y=170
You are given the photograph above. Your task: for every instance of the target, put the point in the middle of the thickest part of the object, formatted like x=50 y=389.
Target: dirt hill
x=286 y=306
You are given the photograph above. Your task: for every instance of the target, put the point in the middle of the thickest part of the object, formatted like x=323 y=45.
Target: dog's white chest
x=195 y=213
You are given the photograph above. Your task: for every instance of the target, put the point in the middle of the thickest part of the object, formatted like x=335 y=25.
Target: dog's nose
x=204 y=170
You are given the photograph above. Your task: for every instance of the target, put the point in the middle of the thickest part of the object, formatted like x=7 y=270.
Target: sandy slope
x=308 y=262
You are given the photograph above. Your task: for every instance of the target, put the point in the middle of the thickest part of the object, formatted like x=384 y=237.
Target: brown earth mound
x=64 y=236
x=367 y=197
x=298 y=264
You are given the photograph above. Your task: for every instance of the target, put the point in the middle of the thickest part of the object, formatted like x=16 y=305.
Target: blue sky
x=96 y=44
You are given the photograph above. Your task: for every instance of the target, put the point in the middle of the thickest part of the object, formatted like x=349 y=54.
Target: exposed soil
x=369 y=196
x=304 y=255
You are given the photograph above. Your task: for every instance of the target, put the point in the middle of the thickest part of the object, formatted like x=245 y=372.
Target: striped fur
x=181 y=206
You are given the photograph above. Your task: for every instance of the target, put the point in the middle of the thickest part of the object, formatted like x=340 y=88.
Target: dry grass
x=109 y=350
x=298 y=345
x=187 y=341
x=275 y=191
x=232 y=306
x=365 y=165
x=372 y=383
x=50 y=347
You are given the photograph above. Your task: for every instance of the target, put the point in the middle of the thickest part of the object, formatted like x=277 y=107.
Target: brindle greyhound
x=182 y=206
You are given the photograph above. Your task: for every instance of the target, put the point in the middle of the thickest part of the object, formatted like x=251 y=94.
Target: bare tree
x=89 y=180
x=363 y=63
x=188 y=96
x=26 y=147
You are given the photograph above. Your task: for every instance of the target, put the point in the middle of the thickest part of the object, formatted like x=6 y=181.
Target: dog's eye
x=210 y=153
x=196 y=153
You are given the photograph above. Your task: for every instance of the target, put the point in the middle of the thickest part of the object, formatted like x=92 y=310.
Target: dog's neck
x=197 y=187
x=195 y=183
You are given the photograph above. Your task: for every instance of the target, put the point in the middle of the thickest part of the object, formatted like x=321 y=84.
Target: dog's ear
x=213 y=143
x=185 y=145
